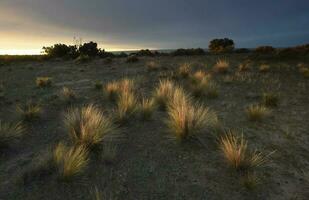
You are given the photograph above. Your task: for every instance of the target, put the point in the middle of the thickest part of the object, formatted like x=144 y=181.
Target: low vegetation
x=43 y=82
x=147 y=108
x=10 y=132
x=221 y=66
x=29 y=111
x=257 y=112
x=67 y=95
x=163 y=93
x=88 y=125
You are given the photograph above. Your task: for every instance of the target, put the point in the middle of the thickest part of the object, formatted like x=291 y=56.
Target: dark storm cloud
x=167 y=23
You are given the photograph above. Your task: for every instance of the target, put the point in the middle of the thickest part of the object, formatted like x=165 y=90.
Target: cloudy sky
x=156 y=24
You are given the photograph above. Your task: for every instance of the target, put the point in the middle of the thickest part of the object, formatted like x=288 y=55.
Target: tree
x=89 y=49
x=221 y=45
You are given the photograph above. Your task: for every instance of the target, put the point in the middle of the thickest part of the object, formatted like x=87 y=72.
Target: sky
x=28 y=25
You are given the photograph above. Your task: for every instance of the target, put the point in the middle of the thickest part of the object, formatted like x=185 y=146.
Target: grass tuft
x=43 y=81
x=235 y=151
x=152 y=66
x=185 y=119
x=184 y=70
x=126 y=105
x=147 y=108
x=257 y=112
x=67 y=95
x=270 y=99
x=163 y=93
x=10 y=132
x=70 y=161
x=264 y=68
x=30 y=111
x=88 y=125
x=221 y=66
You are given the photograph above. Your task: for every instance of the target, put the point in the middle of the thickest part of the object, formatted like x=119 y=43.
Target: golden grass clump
x=270 y=99
x=243 y=67
x=146 y=108
x=10 y=132
x=126 y=105
x=235 y=151
x=88 y=125
x=184 y=70
x=67 y=94
x=43 y=81
x=185 y=119
x=199 y=76
x=221 y=66
x=152 y=66
x=29 y=111
x=163 y=93
x=70 y=161
x=257 y=112
x=264 y=68
x=113 y=89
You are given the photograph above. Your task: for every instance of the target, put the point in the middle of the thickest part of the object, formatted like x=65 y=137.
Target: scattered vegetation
x=235 y=150
x=152 y=66
x=10 y=132
x=186 y=119
x=184 y=70
x=88 y=125
x=257 y=112
x=113 y=89
x=29 y=111
x=147 y=108
x=132 y=59
x=264 y=68
x=70 y=161
x=67 y=95
x=44 y=81
x=126 y=105
x=243 y=67
x=163 y=93
x=221 y=66
x=270 y=99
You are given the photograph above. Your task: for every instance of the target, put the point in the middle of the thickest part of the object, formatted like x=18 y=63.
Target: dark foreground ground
x=148 y=165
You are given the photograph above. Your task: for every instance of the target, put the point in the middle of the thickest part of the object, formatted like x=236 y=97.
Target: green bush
x=221 y=45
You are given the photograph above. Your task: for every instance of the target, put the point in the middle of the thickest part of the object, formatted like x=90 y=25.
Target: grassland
x=265 y=108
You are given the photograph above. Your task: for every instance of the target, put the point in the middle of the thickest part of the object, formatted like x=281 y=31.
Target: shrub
x=221 y=45
x=257 y=112
x=264 y=68
x=89 y=49
x=126 y=105
x=88 y=125
x=221 y=66
x=67 y=95
x=144 y=52
x=270 y=99
x=237 y=155
x=43 y=81
x=147 y=108
x=10 y=132
x=70 y=161
x=184 y=70
x=163 y=93
x=186 y=120
x=132 y=59
x=29 y=111
x=61 y=50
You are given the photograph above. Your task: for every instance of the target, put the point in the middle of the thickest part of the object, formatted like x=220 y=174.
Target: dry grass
x=10 y=132
x=113 y=89
x=163 y=93
x=43 y=81
x=67 y=94
x=126 y=105
x=264 y=68
x=243 y=67
x=257 y=112
x=70 y=161
x=184 y=70
x=221 y=66
x=152 y=66
x=304 y=71
x=270 y=99
x=88 y=125
x=199 y=76
x=235 y=151
x=147 y=108
x=29 y=111
x=185 y=119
